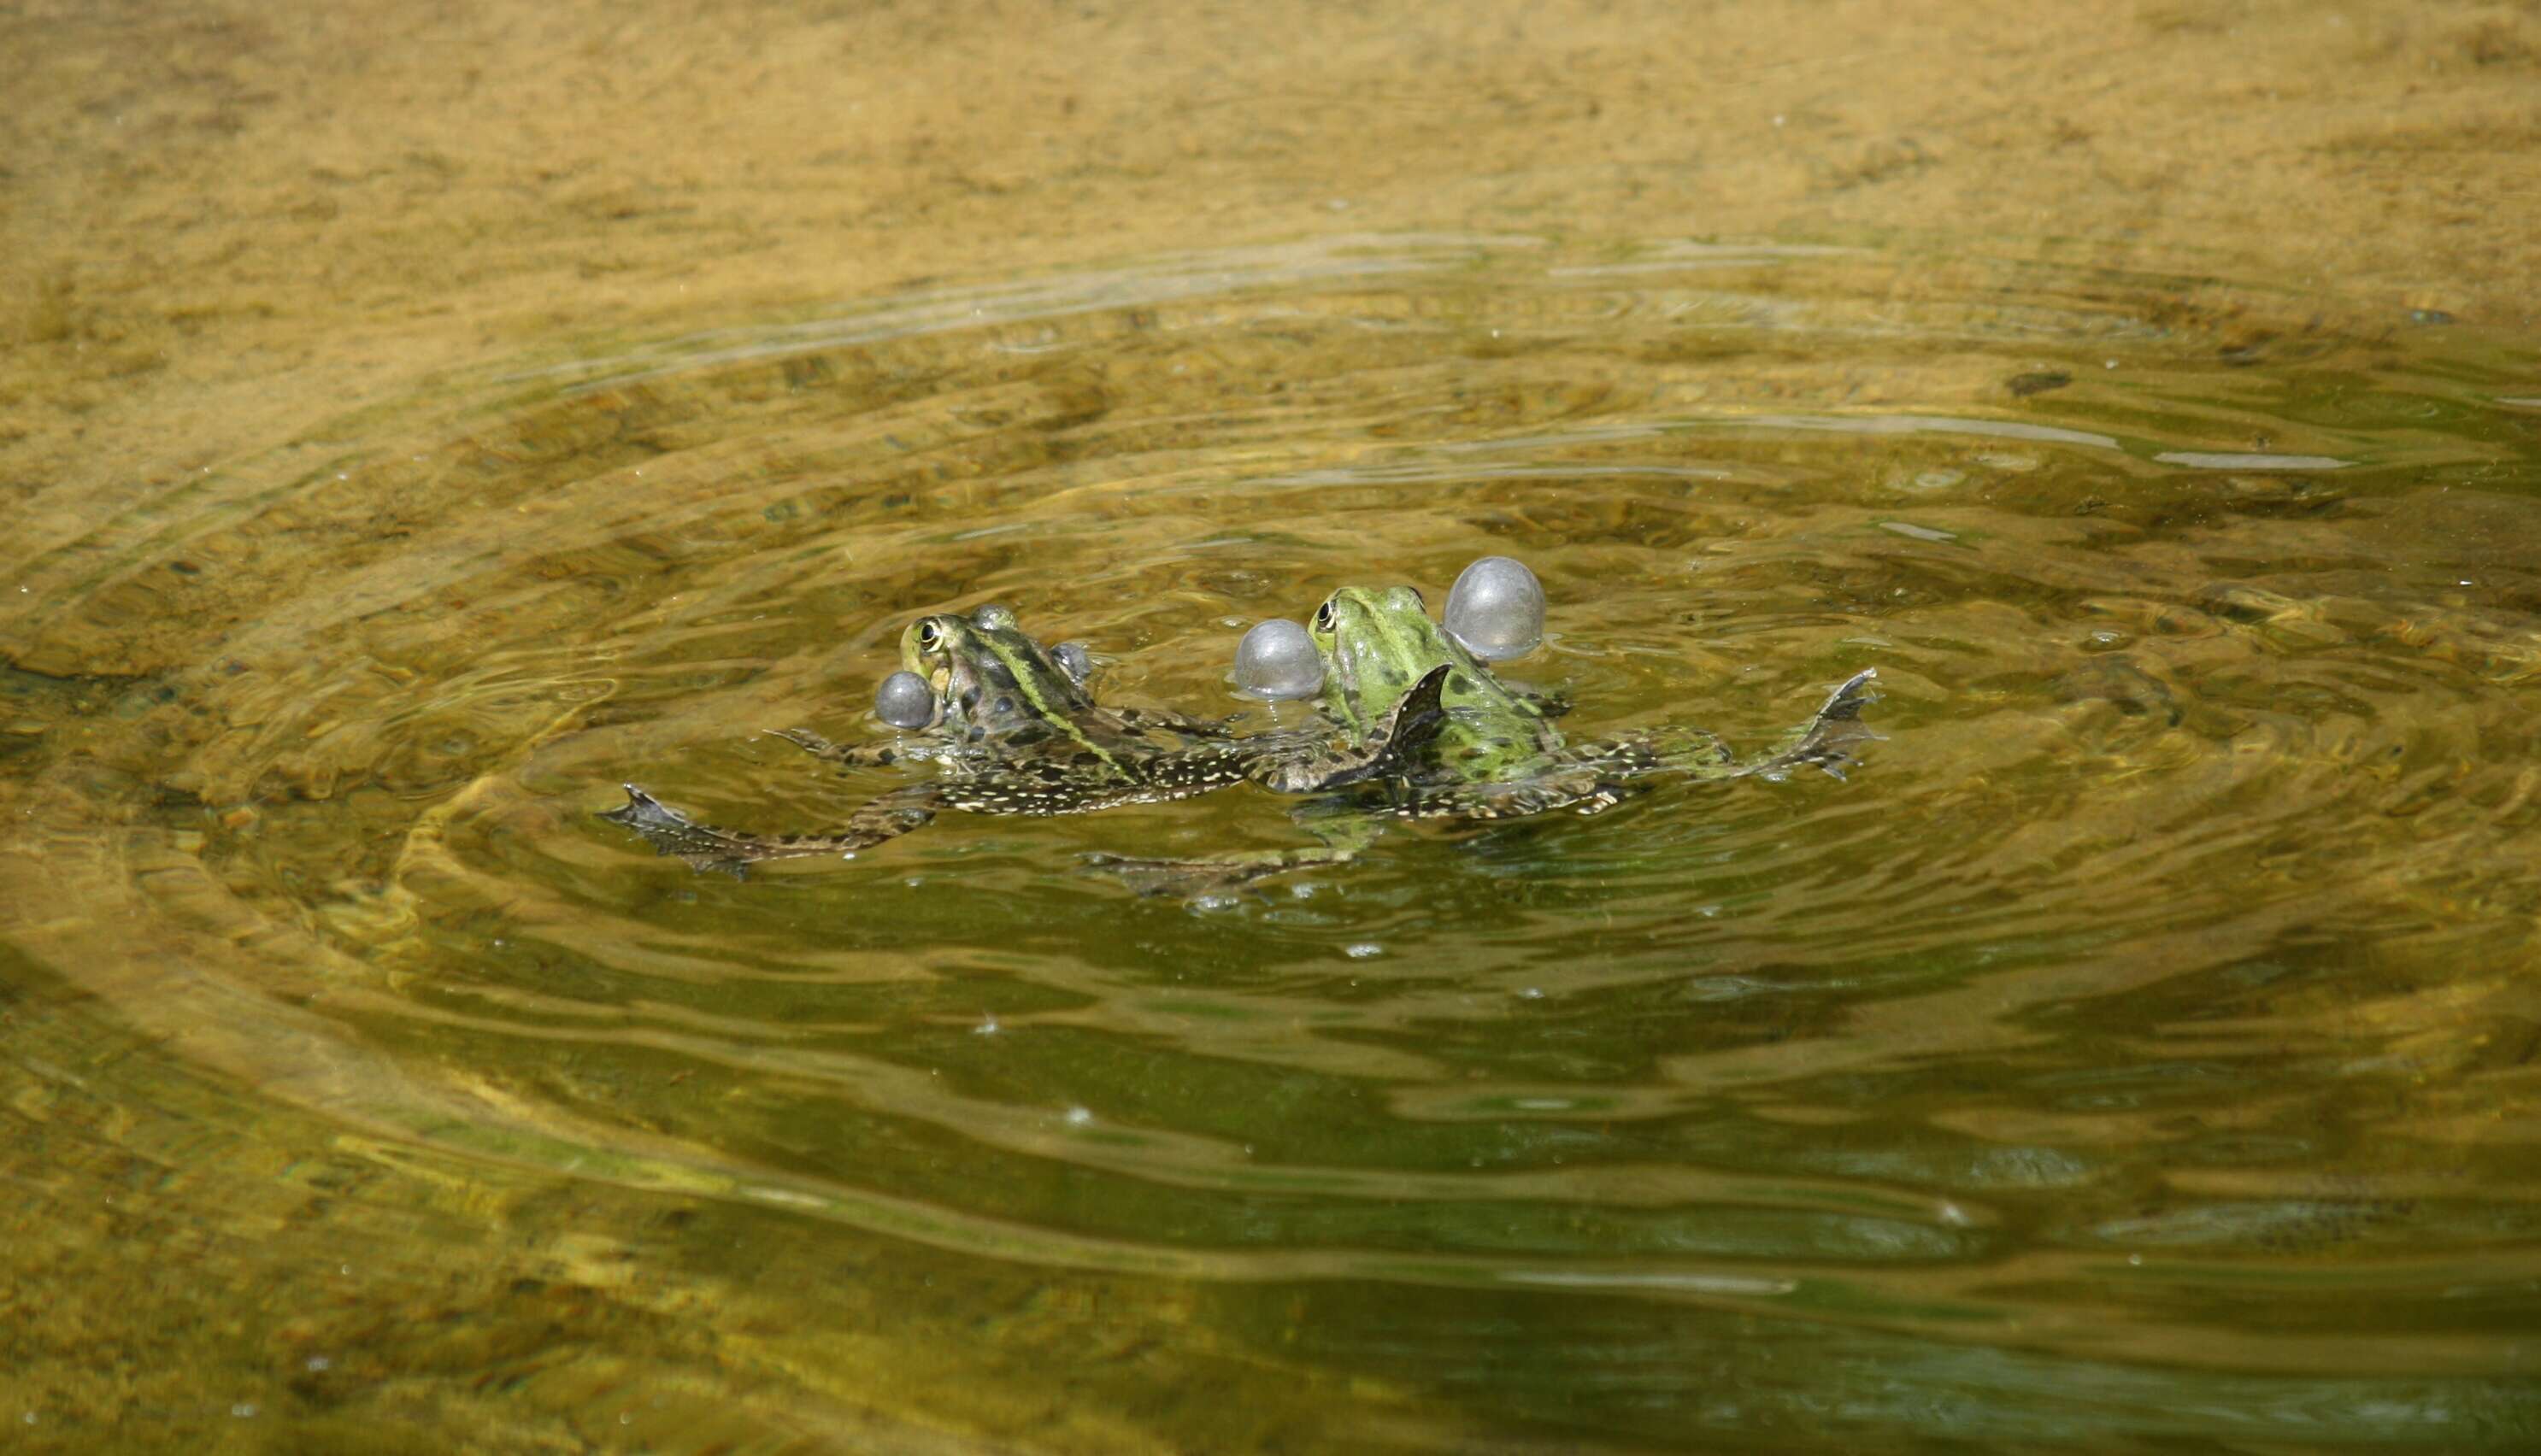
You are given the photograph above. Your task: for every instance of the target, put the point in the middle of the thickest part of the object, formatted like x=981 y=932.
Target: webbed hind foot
x=670 y=831
x=1829 y=741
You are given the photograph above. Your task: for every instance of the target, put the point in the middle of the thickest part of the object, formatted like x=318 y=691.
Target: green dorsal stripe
x=1028 y=683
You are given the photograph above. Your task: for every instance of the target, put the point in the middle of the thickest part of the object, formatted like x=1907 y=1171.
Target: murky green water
x=2142 y=1045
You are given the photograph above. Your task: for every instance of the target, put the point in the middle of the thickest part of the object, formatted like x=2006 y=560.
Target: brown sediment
x=220 y=223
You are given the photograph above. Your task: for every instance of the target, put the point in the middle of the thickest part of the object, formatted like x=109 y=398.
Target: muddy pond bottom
x=2139 y=1046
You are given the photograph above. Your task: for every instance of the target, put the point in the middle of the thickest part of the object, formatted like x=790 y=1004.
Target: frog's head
x=988 y=674
x=1375 y=644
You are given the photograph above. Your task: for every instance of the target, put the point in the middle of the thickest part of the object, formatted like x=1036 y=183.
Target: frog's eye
x=1418 y=600
x=1324 y=616
x=928 y=634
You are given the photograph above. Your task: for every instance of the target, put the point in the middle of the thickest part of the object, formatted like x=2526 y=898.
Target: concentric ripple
x=2143 y=1013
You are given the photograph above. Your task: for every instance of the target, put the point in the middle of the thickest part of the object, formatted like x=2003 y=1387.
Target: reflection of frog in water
x=1496 y=755
x=1018 y=733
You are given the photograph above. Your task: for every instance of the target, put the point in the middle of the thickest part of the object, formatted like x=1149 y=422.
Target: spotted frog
x=1496 y=756
x=1018 y=732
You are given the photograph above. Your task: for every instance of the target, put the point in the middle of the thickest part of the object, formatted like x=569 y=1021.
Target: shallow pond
x=2141 y=1045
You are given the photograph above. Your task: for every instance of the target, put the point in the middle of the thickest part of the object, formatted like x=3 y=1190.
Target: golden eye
x=927 y=636
x=1324 y=616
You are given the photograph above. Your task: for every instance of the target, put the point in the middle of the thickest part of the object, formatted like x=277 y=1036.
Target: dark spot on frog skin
x=885 y=757
x=969 y=699
x=1005 y=705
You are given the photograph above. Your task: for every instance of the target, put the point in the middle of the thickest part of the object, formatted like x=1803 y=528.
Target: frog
x=1497 y=753
x=1019 y=731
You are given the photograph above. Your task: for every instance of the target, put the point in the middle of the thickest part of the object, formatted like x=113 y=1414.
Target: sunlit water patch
x=2140 y=1044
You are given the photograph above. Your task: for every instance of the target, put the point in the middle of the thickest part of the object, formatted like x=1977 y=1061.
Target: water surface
x=2139 y=1046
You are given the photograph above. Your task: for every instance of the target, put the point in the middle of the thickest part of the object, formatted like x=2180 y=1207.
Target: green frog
x=1496 y=756
x=1018 y=731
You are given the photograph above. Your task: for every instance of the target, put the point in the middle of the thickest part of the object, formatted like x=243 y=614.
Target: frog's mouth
x=940 y=682
x=1356 y=672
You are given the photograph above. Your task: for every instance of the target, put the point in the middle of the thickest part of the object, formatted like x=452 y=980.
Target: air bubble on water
x=318 y=1362
x=1955 y=1216
x=1531 y=994
x=242 y=1410
x=1078 y=1116
x=1210 y=904
x=987 y=1027
x=1363 y=949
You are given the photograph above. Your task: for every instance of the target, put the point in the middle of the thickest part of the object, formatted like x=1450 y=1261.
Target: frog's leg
x=1827 y=741
x=1166 y=720
x=1659 y=749
x=1582 y=788
x=708 y=848
x=1593 y=777
x=1313 y=767
x=1344 y=839
x=849 y=754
